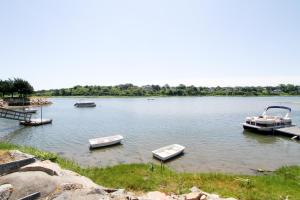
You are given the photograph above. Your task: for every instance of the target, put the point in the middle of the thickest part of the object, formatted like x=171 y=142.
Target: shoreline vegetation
x=280 y=184
x=20 y=88
x=130 y=90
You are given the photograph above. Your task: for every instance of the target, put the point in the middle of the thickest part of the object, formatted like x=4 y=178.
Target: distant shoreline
x=164 y=96
x=130 y=90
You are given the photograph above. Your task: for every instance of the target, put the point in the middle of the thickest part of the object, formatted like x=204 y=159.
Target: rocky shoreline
x=48 y=181
x=32 y=101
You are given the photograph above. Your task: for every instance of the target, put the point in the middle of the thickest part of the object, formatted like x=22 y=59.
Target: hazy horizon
x=60 y=44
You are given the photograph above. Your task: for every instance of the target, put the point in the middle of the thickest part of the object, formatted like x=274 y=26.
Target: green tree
x=22 y=87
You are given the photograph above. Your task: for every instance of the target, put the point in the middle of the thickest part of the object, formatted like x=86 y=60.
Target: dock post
x=41 y=113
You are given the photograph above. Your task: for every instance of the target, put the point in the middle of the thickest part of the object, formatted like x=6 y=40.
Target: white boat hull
x=264 y=129
x=168 y=152
x=105 y=141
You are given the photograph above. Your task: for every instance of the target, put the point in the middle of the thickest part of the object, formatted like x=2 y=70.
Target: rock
x=203 y=197
x=71 y=186
x=5 y=191
x=110 y=190
x=154 y=196
x=131 y=196
x=18 y=155
x=193 y=196
x=195 y=189
x=119 y=194
x=97 y=190
x=81 y=194
x=25 y=183
x=46 y=166
x=213 y=197
x=72 y=177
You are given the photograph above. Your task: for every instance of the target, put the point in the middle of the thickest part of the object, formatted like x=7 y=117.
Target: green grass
x=147 y=177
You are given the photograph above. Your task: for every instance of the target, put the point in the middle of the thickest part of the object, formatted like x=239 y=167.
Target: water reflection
x=260 y=138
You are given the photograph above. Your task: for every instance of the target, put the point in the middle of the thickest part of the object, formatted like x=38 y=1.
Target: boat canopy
x=280 y=107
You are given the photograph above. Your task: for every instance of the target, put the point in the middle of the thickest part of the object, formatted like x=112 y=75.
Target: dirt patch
x=5 y=157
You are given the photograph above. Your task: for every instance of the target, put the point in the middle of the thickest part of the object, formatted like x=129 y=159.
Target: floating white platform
x=30 y=110
x=105 y=141
x=36 y=122
x=168 y=152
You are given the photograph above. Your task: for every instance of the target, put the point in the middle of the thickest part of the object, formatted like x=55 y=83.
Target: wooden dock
x=14 y=115
x=293 y=132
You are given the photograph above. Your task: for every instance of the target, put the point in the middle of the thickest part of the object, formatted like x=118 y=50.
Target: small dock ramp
x=14 y=115
x=293 y=131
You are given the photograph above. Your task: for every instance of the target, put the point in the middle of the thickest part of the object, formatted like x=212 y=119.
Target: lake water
x=209 y=127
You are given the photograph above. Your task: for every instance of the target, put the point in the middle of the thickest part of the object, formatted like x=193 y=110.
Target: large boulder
x=44 y=166
x=26 y=183
x=5 y=191
x=67 y=185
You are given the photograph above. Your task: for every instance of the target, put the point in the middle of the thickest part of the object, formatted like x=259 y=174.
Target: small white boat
x=30 y=110
x=85 y=104
x=105 y=141
x=168 y=152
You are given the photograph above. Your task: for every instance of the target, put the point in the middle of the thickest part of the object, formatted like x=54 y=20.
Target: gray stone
x=81 y=194
x=195 y=189
x=193 y=196
x=97 y=190
x=203 y=197
x=25 y=183
x=119 y=194
x=71 y=186
x=131 y=196
x=213 y=197
x=44 y=166
x=156 y=195
x=5 y=191
x=18 y=155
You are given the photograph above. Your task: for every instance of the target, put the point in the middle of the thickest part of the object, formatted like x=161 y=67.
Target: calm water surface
x=210 y=128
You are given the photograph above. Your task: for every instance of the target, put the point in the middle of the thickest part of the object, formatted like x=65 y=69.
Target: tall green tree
x=22 y=87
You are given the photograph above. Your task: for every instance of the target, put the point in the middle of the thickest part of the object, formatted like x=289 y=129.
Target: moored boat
x=30 y=110
x=105 y=141
x=268 y=123
x=168 y=152
x=85 y=104
x=36 y=122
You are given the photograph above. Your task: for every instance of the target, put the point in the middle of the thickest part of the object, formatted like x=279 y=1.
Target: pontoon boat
x=85 y=104
x=268 y=123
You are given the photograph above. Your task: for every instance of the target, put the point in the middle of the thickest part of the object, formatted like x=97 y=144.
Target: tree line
x=15 y=87
x=166 y=90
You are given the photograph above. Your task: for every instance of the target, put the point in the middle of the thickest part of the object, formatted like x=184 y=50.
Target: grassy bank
x=146 y=177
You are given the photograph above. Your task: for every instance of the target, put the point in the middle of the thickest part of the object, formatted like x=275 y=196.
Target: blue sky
x=60 y=43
